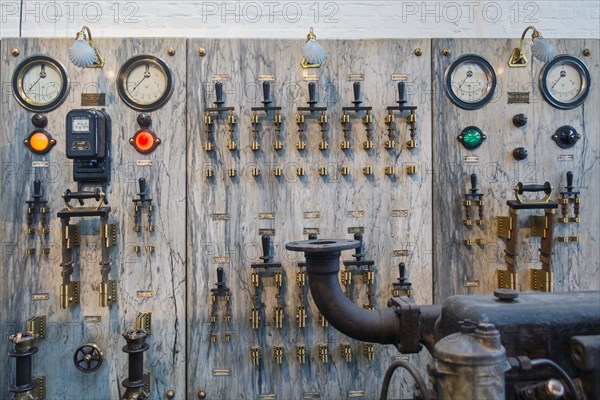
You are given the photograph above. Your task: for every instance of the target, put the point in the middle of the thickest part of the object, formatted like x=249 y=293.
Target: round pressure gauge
x=470 y=81
x=145 y=83
x=40 y=83
x=565 y=82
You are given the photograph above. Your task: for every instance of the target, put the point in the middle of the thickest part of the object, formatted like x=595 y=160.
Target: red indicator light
x=39 y=142
x=144 y=141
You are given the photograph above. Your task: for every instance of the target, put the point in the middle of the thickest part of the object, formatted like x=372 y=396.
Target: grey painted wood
x=162 y=272
x=289 y=197
x=575 y=265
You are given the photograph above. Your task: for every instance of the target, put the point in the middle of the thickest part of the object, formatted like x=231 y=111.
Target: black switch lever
x=401 y=92
x=359 y=254
x=267 y=93
x=37 y=190
x=312 y=94
x=267 y=256
x=474 y=189
x=356 y=87
x=143 y=189
x=569 y=181
x=219 y=94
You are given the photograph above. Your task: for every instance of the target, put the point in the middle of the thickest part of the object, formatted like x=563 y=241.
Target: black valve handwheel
x=88 y=358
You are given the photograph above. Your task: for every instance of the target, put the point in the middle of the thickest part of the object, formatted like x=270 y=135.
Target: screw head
x=446 y=52
x=171 y=51
x=201 y=51
x=418 y=52
x=170 y=394
x=201 y=394
x=586 y=52
x=15 y=52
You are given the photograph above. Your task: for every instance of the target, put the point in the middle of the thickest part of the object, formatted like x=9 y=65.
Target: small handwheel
x=88 y=358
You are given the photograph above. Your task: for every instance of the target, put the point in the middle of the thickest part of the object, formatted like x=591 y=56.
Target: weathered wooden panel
x=342 y=202
x=575 y=265
x=162 y=272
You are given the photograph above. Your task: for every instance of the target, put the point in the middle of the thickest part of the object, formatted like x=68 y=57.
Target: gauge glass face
x=80 y=125
x=470 y=82
x=146 y=83
x=41 y=83
x=564 y=82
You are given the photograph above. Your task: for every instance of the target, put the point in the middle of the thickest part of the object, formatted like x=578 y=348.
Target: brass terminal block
x=541 y=280
x=300 y=316
x=411 y=169
x=144 y=321
x=390 y=171
x=345 y=145
x=231 y=145
x=301 y=145
x=231 y=172
x=208 y=146
x=345 y=171
x=108 y=293
x=346 y=352
x=323 y=171
x=568 y=239
x=209 y=173
x=278 y=317
x=504 y=227
x=539 y=225
x=390 y=144
x=278 y=355
x=323 y=353
x=368 y=170
x=108 y=234
x=301 y=354
x=301 y=279
x=255 y=146
x=277 y=145
x=411 y=144
x=69 y=294
x=255 y=354
x=71 y=234
x=324 y=323
x=300 y=171
x=368 y=351
x=323 y=145
x=37 y=326
x=277 y=171
x=506 y=279
x=255 y=171
x=368 y=145
x=255 y=317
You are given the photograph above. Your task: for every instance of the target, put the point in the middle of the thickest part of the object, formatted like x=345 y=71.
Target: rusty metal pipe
x=322 y=267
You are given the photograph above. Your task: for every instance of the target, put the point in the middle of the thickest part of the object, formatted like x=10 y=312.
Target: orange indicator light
x=144 y=141
x=39 y=142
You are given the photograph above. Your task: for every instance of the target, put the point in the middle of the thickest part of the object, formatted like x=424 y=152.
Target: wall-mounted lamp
x=313 y=53
x=83 y=53
x=541 y=49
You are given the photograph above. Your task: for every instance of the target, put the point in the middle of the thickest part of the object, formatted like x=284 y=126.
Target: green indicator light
x=471 y=137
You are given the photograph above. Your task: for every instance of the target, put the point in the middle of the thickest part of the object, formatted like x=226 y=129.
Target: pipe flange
x=323 y=245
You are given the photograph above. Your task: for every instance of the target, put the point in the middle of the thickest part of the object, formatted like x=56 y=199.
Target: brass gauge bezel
x=124 y=92
x=490 y=88
x=580 y=68
x=20 y=93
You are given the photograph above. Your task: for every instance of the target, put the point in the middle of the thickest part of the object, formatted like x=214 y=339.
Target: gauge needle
x=562 y=74
x=42 y=76
x=146 y=75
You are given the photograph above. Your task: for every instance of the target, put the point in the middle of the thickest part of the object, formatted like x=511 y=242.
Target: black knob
x=220 y=276
x=569 y=181
x=566 y=136
x=520 y=153
x=312 y=236
x=142 y=184
x=39 y=121
x=144 y=120
x=506 y=294
x=266 y=93
x=402 y=92
x=474 y=183
x=219 y=93
x=520 y=120
x=37 y=188
x=402 y=272
x=356 y=87
x=312 y=93
x=267 y=248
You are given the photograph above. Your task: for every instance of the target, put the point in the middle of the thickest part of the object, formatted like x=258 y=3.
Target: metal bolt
x=171 y=51
x=586 y=52
x=15 y=52
x=170 y=394
x=201 y=51
x=446 y=51
x=201 y=394
x=418 y=52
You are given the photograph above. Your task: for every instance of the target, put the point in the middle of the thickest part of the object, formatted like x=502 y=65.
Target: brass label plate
x=40 y=296
x=144 y=163
x=144 y=294
x=92 y=319
x=312 y=395
x=93 y=99
x=221 y=260
x=399 y=77
x=356 y=393
x=40 y=164
x=312 y=215
x=311 y=231
x=310 y=78
x=270 y=396
x=356 y=77
x=472 y=283
x=356 y=214
x=399 y=213
x=566 y=157
x=356 y=229
x=221 y=77
x=518 y=97
x=266 y=216
x=401 y=358
x=270 y=232
x=220 y=217
x=402 y=253
x=221 y=372
x=471 y=159
x=266 y=77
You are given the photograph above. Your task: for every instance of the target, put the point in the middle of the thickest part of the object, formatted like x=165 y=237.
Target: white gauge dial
x=565 y=82
x=40 y=83
x=145 y=83
x=470 y=81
